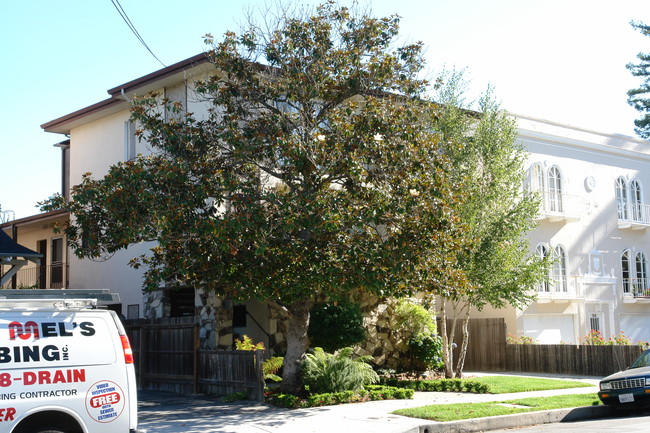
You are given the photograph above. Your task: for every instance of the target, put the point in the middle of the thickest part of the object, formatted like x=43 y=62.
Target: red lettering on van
x=102 y=400
x=7 y=414
x=29 y=330
x=46 y=377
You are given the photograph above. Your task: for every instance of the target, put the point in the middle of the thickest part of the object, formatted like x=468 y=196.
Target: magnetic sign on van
x=105 y=401
x=33 y=330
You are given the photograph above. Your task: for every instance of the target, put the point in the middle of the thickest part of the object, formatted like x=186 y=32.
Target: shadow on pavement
x=163 y=412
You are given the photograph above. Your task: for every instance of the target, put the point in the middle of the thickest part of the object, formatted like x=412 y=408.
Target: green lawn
x=453 y=412
x=507 y=384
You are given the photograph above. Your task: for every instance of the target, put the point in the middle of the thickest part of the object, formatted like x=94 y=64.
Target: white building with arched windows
x=594 y=220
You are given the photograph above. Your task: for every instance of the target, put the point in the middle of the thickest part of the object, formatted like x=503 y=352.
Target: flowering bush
x=595 y=338
x=521 y=339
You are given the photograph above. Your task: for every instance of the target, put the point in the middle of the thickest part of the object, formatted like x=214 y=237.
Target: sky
x=558 y=60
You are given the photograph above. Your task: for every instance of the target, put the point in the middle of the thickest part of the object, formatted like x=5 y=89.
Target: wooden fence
x=569 y=359
x=168 y=358
x=486 y=350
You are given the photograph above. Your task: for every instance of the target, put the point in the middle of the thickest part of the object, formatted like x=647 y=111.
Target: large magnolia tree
x=317 y=172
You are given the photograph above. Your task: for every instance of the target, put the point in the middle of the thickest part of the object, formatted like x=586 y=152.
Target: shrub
x=325 y=399
x=284 y=400
x=333 y=327
x=325 y=372
x=235 y=396
x=427 y=349
x=413 y=319
x=440 y=385
x=595 y=338
x=522 y=339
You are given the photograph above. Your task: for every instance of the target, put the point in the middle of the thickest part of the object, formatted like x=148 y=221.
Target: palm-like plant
x=325 y=372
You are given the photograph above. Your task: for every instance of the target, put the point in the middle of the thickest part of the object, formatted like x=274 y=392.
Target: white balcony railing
x=557 y=206
x=637 y=288
x=635 y=216
x=564 y=290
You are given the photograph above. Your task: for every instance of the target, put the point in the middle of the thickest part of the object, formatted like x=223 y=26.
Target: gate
x=168 y=358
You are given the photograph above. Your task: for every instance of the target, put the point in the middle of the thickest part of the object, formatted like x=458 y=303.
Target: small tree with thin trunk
x=498 y=212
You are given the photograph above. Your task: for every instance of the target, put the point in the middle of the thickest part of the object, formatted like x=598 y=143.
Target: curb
x=516 y=420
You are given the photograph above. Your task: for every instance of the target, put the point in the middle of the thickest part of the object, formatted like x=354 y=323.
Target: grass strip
x=508 y=384
x=460 y=411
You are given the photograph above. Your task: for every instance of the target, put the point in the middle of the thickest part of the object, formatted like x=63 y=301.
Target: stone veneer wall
x=383 y=343
x=215 y=315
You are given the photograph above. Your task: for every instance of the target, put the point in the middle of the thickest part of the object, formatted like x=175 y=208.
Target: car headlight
x=606 y=386
x=647 y=381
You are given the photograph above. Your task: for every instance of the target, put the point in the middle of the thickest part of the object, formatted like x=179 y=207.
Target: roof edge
x=99 y=106
x=160 y=74
x=35 y=218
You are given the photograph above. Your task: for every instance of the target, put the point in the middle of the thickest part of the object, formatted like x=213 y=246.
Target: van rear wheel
x=49 y=431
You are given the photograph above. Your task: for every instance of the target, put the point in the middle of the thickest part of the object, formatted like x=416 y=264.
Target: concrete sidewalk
x=167 y=413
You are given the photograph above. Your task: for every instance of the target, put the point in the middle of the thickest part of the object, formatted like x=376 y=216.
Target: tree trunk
x=463 y=350
x=447 y=354
x=297 y=345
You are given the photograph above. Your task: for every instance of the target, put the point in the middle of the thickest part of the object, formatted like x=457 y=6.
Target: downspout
x=14 y=236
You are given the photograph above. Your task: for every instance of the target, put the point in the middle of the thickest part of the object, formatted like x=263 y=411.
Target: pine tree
x=638 y=98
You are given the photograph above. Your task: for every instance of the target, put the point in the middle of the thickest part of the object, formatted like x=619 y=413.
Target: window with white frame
x=641 y=265
x=595 y=323
x=549 y=183
x=557 y=281
x=542 y=252
x=626 y=267
x=629 y=201
x=636 y=200
x=621 y=198
x=634 y=268
x=554 y=189
x=537 y=178
x=559 y=275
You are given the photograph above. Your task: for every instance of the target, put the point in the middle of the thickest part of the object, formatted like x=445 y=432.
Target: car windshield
x=642 y=361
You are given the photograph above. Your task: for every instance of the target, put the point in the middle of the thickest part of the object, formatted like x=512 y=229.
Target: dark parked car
x=628 y=387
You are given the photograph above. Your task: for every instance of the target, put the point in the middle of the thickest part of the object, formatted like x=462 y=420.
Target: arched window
x=542 y=252
x=636 y=200
x=537 y=178
x=554 y=189
x=621 y=198
x=559 y=270
x=641 y=285
x=625 y=266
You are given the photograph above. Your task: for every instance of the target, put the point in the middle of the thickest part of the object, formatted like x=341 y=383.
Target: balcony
x=41 y=277
x=633 y=216
x=559 y=207
x=636 y=290
x=559 y=291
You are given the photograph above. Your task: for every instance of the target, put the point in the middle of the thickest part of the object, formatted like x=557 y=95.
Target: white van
x=66 y=366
